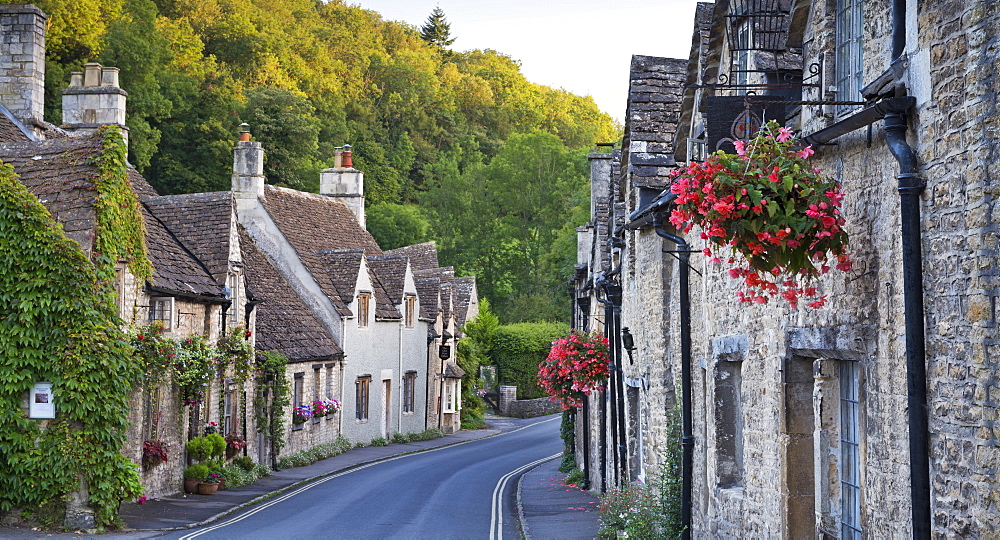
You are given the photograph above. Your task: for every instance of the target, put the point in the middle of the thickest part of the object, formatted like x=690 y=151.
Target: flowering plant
x=332 y=405
x=236 y=441
x=212 y=478
x=319 y=408
x=301 y=413
x=211 y=427
x=154 y=453
x=576 y=365
x=778 y=214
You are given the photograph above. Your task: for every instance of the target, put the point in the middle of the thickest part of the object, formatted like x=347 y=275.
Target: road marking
x=315 y=483
x=496 y=511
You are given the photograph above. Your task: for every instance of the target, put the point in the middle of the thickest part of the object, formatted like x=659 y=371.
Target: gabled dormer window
x=364 y=305
x=161 y=308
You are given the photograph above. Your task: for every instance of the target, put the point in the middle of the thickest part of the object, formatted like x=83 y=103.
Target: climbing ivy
x=58 y=323
x=272 y=397
x=121 y=231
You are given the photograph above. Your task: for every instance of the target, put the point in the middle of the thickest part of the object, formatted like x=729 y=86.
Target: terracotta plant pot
x=191 y=485
x=208 y=488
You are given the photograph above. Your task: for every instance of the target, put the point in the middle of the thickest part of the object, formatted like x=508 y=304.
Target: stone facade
x=783 y=399
x=22 y=52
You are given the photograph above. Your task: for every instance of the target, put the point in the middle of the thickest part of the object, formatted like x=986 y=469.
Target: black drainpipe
x=603 y=439
x=614 y=294
x=910 y=185
x=687 y=439
x=585 y=430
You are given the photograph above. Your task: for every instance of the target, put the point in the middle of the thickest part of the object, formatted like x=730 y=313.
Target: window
x=151 y=413
x=229 y=408
x=850 y=460
x=298 y=387
x=409 y=307
x=728 y=424
x=161 y=308
x=451 y=394
x=364 y=299
x=409 y=386
x=848 y=66
x=329 y=385
x=362 y=389
x=120 y=289
x=316 y=386
x=741 y=58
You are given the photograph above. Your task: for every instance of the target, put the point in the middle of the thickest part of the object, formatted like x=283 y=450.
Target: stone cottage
x=873 y=415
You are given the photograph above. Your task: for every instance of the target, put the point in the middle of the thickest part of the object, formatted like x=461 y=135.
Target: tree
x=437 y=30
x=287 y=126
x=397 y=225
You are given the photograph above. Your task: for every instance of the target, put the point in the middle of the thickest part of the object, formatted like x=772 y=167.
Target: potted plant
x=220 y=474
x=774 y=210
x=153 y=453
x=209 y=484
x=332 y=405
x=319 y=408
x=234 y=443
x=301 y=413
x=193 y=475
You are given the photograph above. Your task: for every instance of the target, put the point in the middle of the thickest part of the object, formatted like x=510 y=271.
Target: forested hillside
x=456 y=146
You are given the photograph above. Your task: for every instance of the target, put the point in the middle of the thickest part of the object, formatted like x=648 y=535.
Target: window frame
x=848 y=53
x=409 y=310
x=156 y=312
x=409 y=391
x=362 y=396
x=849 y=471
x=298 y=387
x=364 y=308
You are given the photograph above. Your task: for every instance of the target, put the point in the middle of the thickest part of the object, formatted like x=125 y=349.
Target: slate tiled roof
x=445 y=275
x=201 y=221
x=463 y=296
x=452 y=371
x=656 y=88
x=59 y=174
x=10 y=130
x=342 y=267
x=422 y=256
x=284 y=323
x=314 y=224
x=391 y=271
x=429 y=291
x=175 y=269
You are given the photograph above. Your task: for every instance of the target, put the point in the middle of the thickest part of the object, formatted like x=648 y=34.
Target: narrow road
x=460 y=491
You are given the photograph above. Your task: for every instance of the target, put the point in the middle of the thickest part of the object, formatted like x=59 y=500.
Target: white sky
x=583 y=46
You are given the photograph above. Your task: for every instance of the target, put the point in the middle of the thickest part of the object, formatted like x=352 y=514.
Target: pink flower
x=806 y=152
x=740 y=147
x=784 y=134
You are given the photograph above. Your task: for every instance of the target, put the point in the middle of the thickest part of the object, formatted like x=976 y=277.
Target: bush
x=237 y=475
x=568 y=463
x=518 y=349
x=575 y=477
x=426 y=435
x=245 y=463
x=400 y=438
x=199 y=471
x=316 y=453
x=379 y=441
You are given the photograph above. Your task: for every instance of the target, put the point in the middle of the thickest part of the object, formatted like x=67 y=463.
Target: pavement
x=547 y=508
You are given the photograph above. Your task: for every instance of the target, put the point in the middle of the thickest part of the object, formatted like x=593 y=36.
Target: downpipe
x=910 y=186
x=603 y=439
x=687 y=438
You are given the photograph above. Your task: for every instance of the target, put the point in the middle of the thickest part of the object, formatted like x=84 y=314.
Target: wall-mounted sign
x=41 y=404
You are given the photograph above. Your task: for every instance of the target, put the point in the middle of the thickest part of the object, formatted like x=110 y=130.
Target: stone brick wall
x=530 y=408
x=22 y=86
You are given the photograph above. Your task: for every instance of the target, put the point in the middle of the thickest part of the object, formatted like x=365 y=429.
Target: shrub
x=316 y=453
x=400 y=438
x=568 y=463
x=518 y=349
x=379 y=441
x=198 y=470
x=198 y=449
x=426 y=435
x=575 y=477
x=244 y=462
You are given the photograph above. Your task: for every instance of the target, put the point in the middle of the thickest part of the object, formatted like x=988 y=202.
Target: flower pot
x=208 y=488
x=222 y=484
x=191 y=485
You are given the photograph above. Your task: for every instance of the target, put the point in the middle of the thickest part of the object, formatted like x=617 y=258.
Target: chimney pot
x=109 y=76
x=92 y=74
x=76 y=78
x=348 y=161
x=245 y=132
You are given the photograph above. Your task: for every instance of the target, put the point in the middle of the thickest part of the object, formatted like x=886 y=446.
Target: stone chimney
x=22 y=63
x=600 y=175
x=93 y=99
x=248 y=170
x=345 y=183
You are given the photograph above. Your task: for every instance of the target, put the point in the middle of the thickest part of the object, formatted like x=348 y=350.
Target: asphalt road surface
x=460 y=491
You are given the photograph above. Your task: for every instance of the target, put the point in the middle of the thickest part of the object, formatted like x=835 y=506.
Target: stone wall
x=530 y=408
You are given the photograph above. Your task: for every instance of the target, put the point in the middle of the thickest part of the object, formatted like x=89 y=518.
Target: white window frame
x=154 y=310
x=848 y=55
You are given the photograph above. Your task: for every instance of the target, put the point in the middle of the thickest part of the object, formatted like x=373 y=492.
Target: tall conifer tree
x=437 y=30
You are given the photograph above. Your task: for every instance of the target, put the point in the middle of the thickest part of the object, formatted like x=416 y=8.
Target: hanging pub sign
x=40 y=402
x=728 y=119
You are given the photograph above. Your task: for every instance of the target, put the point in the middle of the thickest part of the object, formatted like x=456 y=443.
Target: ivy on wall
x=273 y=395
x=58 y=323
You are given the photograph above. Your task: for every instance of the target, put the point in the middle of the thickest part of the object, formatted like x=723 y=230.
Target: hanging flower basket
x=301 y=413
x=777 y=213
x=576 y=365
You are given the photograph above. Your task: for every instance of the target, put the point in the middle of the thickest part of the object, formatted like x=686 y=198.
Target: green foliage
x=575 y=476
x=237 y=476
x=568 y=463
x=379 y=441
x=286 y=124
x=58 y=323
x=652 y=510
x=397 y=225
x=316 y=453
x=400 y=438
x=436 y=30
x=567 y=432
x=121 y=231
x=517 y=349
x=244 y=462
x=273 y=393
x=426 y=435
x=198 y=470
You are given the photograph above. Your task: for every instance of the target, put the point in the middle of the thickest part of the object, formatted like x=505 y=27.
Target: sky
x=583 y=46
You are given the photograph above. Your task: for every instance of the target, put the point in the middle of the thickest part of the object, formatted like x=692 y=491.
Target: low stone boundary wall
x=525 y=408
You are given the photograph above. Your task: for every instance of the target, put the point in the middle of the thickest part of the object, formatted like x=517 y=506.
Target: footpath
x=547 y=508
